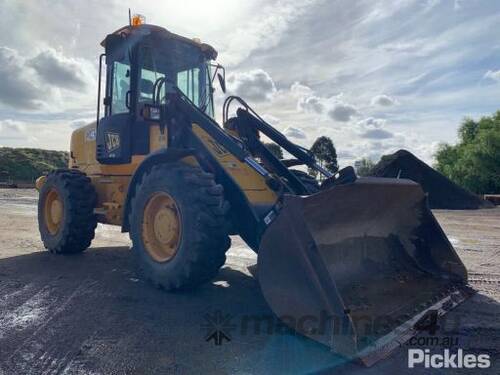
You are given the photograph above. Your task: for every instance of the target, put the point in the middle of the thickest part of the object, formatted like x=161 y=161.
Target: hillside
x=26 y=164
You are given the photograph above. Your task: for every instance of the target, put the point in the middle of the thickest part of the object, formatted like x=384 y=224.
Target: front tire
x=178 y=226
x=66 y=217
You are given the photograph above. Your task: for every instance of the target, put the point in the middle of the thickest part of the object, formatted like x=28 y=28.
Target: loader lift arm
x=179 y=114
x=248 y=124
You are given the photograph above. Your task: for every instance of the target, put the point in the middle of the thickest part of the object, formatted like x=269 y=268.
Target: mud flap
x=356 y=267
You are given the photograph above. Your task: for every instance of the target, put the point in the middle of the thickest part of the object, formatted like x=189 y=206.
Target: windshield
x=180 y=63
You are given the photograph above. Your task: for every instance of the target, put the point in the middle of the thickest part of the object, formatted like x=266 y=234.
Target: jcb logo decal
x=112 y=141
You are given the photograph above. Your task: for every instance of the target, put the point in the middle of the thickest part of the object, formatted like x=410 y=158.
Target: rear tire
x=185 y=238
x=66 y=217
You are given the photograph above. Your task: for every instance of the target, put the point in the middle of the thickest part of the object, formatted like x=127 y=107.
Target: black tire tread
x=79 y=225
x=208 y=243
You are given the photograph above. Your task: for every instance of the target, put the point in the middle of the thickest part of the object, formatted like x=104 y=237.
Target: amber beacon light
x=138 y=20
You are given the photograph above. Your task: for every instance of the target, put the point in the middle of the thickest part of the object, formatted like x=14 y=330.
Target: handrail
x=99 y=89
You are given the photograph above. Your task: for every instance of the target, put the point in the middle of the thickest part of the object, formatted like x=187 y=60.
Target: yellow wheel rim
x=161 y=227
x=53 y=211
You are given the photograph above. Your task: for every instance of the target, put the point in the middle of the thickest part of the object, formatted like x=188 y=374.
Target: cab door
x=114 y=129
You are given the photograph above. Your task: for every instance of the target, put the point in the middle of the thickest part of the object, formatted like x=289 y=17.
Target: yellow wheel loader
x=358 y=264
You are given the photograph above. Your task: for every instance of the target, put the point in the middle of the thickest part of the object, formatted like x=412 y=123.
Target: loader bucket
x=360 y=267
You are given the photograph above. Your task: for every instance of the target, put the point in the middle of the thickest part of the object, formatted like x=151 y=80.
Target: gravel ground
x=91 y=313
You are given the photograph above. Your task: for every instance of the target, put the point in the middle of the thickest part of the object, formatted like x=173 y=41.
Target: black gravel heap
x=443 y=193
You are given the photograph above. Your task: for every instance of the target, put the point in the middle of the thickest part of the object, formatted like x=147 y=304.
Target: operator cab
x=137 y=59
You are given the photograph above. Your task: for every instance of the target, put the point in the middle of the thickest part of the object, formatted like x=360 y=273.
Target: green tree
x=468 y=130
x=324 y=151
x=364 y=167
x=474 y=162
x=275 y=149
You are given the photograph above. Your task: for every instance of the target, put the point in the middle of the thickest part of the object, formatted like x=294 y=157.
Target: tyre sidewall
x=53 y=182
x=181 y=196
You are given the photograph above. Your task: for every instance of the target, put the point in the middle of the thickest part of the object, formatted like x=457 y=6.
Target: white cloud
x=307 y=101
x=334 y=107
x=429 y=5
x=255 y=85
x=371 y=123
x=372 y=128
x=493 y=75
x=377 y=134
x=11 y=129
x=56 y=69
x=19 y=88
x=52 y=135
x=383 y=100
x=311 y=104
x=36 y=83
x=457 y=5
x=14 y=132
x=300 y=90
x=405 y=46
x=341 y=111
x=415 y=80
x=264 y=28
x=295 y=133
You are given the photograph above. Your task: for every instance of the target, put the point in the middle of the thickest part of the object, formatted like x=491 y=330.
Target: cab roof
x=146 y=29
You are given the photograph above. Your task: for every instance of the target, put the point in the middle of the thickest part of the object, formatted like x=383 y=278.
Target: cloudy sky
x=375 y=76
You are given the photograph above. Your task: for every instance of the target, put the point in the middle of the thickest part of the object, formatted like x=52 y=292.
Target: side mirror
x=222 y=82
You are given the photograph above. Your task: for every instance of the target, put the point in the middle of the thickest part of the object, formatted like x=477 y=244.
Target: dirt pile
x=443 y=193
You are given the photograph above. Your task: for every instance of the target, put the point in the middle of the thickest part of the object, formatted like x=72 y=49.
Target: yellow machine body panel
x=83 y=155
x=111 y=180
x=253 y=184
x=157 y=138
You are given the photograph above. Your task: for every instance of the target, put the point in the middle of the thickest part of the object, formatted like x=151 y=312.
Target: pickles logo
x=448 y=359
x=112 y=141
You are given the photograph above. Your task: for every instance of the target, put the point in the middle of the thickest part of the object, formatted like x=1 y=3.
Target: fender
x=165 y=155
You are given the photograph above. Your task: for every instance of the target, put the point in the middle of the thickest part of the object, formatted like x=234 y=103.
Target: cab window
x=146 y=84
x=121 y=85
x=187 y=81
